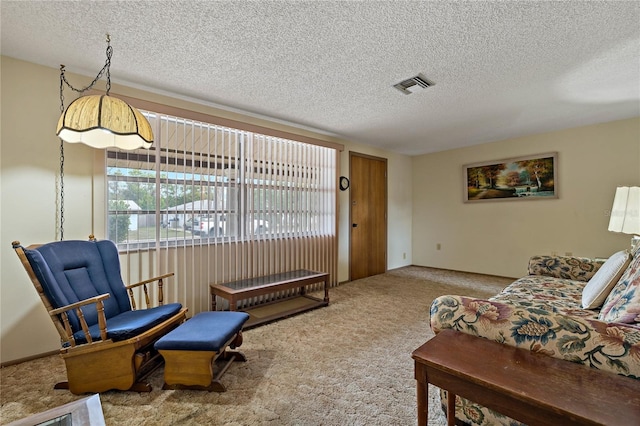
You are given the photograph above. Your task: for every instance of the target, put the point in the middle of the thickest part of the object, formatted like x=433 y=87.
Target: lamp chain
x=63 y=82
x=61 y=159
x=105 y=68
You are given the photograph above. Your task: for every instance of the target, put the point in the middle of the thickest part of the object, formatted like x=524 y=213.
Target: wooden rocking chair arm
x=150 y=280
x=89 y=301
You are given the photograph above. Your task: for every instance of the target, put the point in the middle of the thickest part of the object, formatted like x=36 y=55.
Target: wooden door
x=368 y=214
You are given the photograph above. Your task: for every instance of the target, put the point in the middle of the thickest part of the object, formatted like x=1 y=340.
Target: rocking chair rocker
x=106 y=342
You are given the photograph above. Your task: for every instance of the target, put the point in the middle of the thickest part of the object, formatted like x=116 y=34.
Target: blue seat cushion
x=131 y=323
x=206 y=331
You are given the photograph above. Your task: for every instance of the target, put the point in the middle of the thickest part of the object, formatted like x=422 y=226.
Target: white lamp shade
x=625 y=213
x=103 y=121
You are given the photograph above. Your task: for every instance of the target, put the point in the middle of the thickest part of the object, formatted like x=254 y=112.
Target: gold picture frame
x=532 y=177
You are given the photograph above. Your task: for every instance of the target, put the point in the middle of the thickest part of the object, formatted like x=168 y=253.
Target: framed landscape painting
x=523 y=178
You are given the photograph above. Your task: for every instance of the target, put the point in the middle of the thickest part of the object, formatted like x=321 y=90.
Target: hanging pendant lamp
x=102 y=121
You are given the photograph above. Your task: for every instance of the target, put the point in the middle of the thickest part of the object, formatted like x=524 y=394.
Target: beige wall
x=29 y=165
x=495 y=238
x=499 y=237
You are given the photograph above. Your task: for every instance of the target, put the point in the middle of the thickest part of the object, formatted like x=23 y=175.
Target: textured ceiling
x=501 y=69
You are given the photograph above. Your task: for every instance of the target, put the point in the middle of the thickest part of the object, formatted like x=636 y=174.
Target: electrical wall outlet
x=438 y=246
x=404 y=255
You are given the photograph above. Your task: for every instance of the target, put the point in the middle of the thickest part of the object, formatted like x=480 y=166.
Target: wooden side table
x=532 y=388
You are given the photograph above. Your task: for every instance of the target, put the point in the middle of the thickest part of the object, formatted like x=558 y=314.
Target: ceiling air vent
x=413 y=84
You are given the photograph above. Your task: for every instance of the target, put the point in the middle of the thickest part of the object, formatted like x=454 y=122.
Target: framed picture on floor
x=85 y=411
x=522 y=178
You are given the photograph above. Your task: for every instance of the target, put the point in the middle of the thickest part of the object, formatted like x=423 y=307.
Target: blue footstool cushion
x=206 y=331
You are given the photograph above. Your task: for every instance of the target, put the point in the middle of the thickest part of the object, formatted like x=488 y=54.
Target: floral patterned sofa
x=581 y=310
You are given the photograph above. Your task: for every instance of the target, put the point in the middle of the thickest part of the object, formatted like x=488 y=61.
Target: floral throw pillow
x=623 y=303
x=600 y=285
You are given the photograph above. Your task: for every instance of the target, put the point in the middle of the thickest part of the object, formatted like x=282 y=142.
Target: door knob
x=354 y=225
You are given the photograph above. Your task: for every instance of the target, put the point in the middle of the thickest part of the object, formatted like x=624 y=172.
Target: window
x=203 y=183
x=213 y=203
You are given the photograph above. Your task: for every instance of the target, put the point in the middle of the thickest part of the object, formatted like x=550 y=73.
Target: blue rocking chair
x=107 y=343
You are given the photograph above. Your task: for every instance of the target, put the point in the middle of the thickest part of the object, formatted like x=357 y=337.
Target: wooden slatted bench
x=260 y=286
x=533 y=388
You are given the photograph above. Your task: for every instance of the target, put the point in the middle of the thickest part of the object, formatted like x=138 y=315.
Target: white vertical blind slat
x=249 y=180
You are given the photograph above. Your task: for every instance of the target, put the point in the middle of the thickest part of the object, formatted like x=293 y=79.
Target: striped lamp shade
x=102 y=121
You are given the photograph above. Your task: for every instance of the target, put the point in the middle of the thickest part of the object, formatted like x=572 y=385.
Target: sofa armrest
x=567 y=267
x=610 y=347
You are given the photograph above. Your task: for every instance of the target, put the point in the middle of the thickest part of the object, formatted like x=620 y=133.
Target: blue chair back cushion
x=73 y=270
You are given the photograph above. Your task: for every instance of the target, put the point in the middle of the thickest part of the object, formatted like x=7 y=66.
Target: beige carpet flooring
x=345 y=364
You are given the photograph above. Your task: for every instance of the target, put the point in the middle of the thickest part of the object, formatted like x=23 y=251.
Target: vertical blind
x=214 y=204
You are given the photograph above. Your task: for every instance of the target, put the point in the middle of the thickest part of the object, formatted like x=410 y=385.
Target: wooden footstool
x=190 y=350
